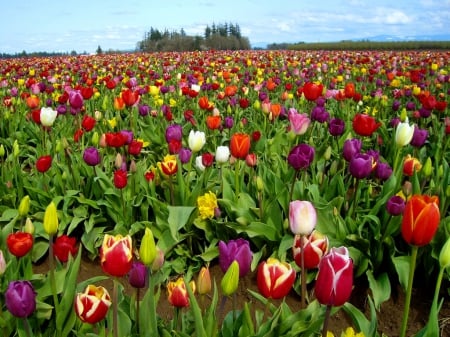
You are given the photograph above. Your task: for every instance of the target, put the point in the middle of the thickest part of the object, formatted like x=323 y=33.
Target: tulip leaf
x=178 y=218
x=380 y=287
x=39 y=249
x=368 y=327
x=402 y=264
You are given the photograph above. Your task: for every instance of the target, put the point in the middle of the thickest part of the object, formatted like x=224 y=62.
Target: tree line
x=225 y=36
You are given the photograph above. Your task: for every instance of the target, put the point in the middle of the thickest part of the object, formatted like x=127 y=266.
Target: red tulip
x=421 y=218
x=120 y=179
x=88 y=123
x=274 y=278
x=116 y=255
x=315 y=246
x=213 y=122
x=130 y=97
x=43 y=163
x=411 y=165
x=205 y=104
x=349 y=90
x=335 y=278
x=365 y=125
x=177 y=293
x=63 y=246
x=312 y=91
x=135 y=147
x=115 y=139
x=239 y=145
x=19 y=243
x=92 y=305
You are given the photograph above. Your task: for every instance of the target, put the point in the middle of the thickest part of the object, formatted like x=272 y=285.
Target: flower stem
x=325 y=321
x=236 y=177
x=137 y=309
x=27 y=327
x=115 y=308
x=293 y=185
x=303 y=274
x=51 y=261
x=409 y=290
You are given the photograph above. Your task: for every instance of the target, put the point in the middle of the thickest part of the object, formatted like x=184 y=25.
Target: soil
x=389 y=316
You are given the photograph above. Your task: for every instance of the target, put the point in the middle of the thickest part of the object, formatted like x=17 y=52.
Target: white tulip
x=196 y=140
x=48 y=116
x=222 y=154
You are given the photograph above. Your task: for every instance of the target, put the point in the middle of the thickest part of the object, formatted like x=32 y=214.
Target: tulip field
x=306 y=172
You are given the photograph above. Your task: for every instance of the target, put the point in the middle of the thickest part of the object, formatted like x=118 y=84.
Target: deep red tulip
x=130 y=97
x=88 y=123
x=115 y=139
x=19 y=243
x=421 y=218
x=116 y=255
x=207 y=159
x=365 y=125
x=120 y=178
x=43 y=163
x=239 y=145
x=92 y=305
x=335 y=278
x=274 y=278
x=312 y=91
x=63 y=246
x=135 y=147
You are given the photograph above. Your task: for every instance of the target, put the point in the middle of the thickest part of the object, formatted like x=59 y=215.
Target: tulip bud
x=147 y=250
x=444 y=256
x=447 y=191
x=2 y=150
x=327 y=154
x=24 y=206
x=259 y=184
x=302 y=217
x=204 y=281
x=51 y=219
x=16 y=150
x=2 y=263
x=230 y=280
x=427 y=168
x=159 y=260
x=95 y=138
x=403 y=115
x=29 y=226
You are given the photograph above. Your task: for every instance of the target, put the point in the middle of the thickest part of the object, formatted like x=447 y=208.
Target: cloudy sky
x=83 y=25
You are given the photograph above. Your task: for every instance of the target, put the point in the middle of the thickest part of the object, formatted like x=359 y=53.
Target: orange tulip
x=213 y=122
x=33 y=102
x=421 y=218
x=240 y=145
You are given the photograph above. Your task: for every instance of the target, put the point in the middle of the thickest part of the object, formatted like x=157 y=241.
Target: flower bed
x=297 y=167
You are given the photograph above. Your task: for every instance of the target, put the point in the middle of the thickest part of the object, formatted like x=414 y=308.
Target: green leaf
x=402 y=265
x=198 y=318
x=380 y=287
x=368 y=327
x=178 y=218
x=39 y=250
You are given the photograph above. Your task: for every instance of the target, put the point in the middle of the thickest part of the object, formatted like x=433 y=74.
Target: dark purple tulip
x=410 y=106
x=144 y=110
x=419 y=137
x=185 y=155
x=394 y=122
x=61 y=109
x=319 y=114
x=91 y=156
x=424 y=113
x=128 y=136
x=374 y=154
x=395 y=205
x=262 y=96
x=164 y=89
x=20 y=298
x=361 y=165
x=238 y=250
x=396 y=105
x=228 y=122
x=320 y=101
x=301 y=156
x=351 y=147
x=174 y=132
x=336 y=127
x=137 y=276
x=76 y=100
x=383 y=171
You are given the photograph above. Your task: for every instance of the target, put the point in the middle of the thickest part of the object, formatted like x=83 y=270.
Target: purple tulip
x=20 y=298
x=395 y=205
x=144 y=110
x=228 y=122
x=361 y=165
x=137 y=276
x=91 y=156
x=76 y=100
x=319 y=114
x=396 y=105
x=351 y=147
x=410 y=106
x=336 y=127
x=419 y=137
x=238 y=250
x=424 y=113
x=128 y=136
x=301 y=156
x=174 y=132
x=184 y=155
x=383 y=171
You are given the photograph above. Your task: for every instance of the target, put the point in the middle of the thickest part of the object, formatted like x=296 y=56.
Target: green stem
x=236 y=177
x=115 y=308
x=438 y=286
x=303 y=274
x=152 y=309
x=325 y=321
x=293 y=185
x=51 y=261
x=137 y=309
x=409 y=290
x=27 y=327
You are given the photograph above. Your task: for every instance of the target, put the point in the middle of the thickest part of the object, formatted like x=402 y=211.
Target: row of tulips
x=208 y=147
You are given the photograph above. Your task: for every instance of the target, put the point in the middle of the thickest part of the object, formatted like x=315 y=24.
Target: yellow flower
x=349 y=332
x=207 y=203
x=112 y=122
x=51 y=222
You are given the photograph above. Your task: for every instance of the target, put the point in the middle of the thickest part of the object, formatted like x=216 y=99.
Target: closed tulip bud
x=24 y=206
x=2 y=263
x=259 y=184
x=2 y=151
x=440 y=171
x=302 y=217
x=29 y=226
x=158 y=262
x=16 y=150
x=404 y=133
x=95 y=138
x=51 y=219
x=20 y=298
x=137 y=276
x=230 y=280
x=427 y=168
x=447 y=191
x=333 y=167
x=147 y=250
x=444 y=256
x=204 y=281
x=327 y=154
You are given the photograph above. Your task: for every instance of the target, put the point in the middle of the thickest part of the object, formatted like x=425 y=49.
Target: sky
x=83 y=25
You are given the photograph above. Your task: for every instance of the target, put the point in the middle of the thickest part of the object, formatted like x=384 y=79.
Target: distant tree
x=207 y=32
x=99 y=50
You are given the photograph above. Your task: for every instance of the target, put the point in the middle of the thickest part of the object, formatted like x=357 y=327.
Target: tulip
x=147 y=250
x=204 y=281
x=302 y=217
x=63 y=246
x=421 y=218
x=43 y=163
x=351 y=147
x=51 y=222
x=419 y=137
x=336 y=127
x=301 y=156
x=274 y=278
x=196 y=140
x=313 y=248
x=238 y=250
x=88 y=122
x=222 y=154
x=120 y=178
x=199 y=163
x=177 y=293
x=185 y=155
x=130 y=97
x=169 y=165
x=299 y=122
x=365 y=125
x=404 y=133
x=116 y=254
x=411 y=165
x=24 y=206
x=20 y=298
x=76 y=100
x=395 y=205
x=48 y=116
x=207 y=159
x=335 y=277
x=174 y=132
x=444 y=255
x=92 y=305
x=158 y=262
x=91 y=156
x=383 y=171
x=2 y=263
x=230 y=280
x=137 y=276
x=239 y=145
x=361 y=165
x=19 y=243
x=312 y=91
x=135 y=147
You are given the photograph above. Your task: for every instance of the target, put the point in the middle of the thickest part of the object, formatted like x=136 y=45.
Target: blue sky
x=83 y=25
